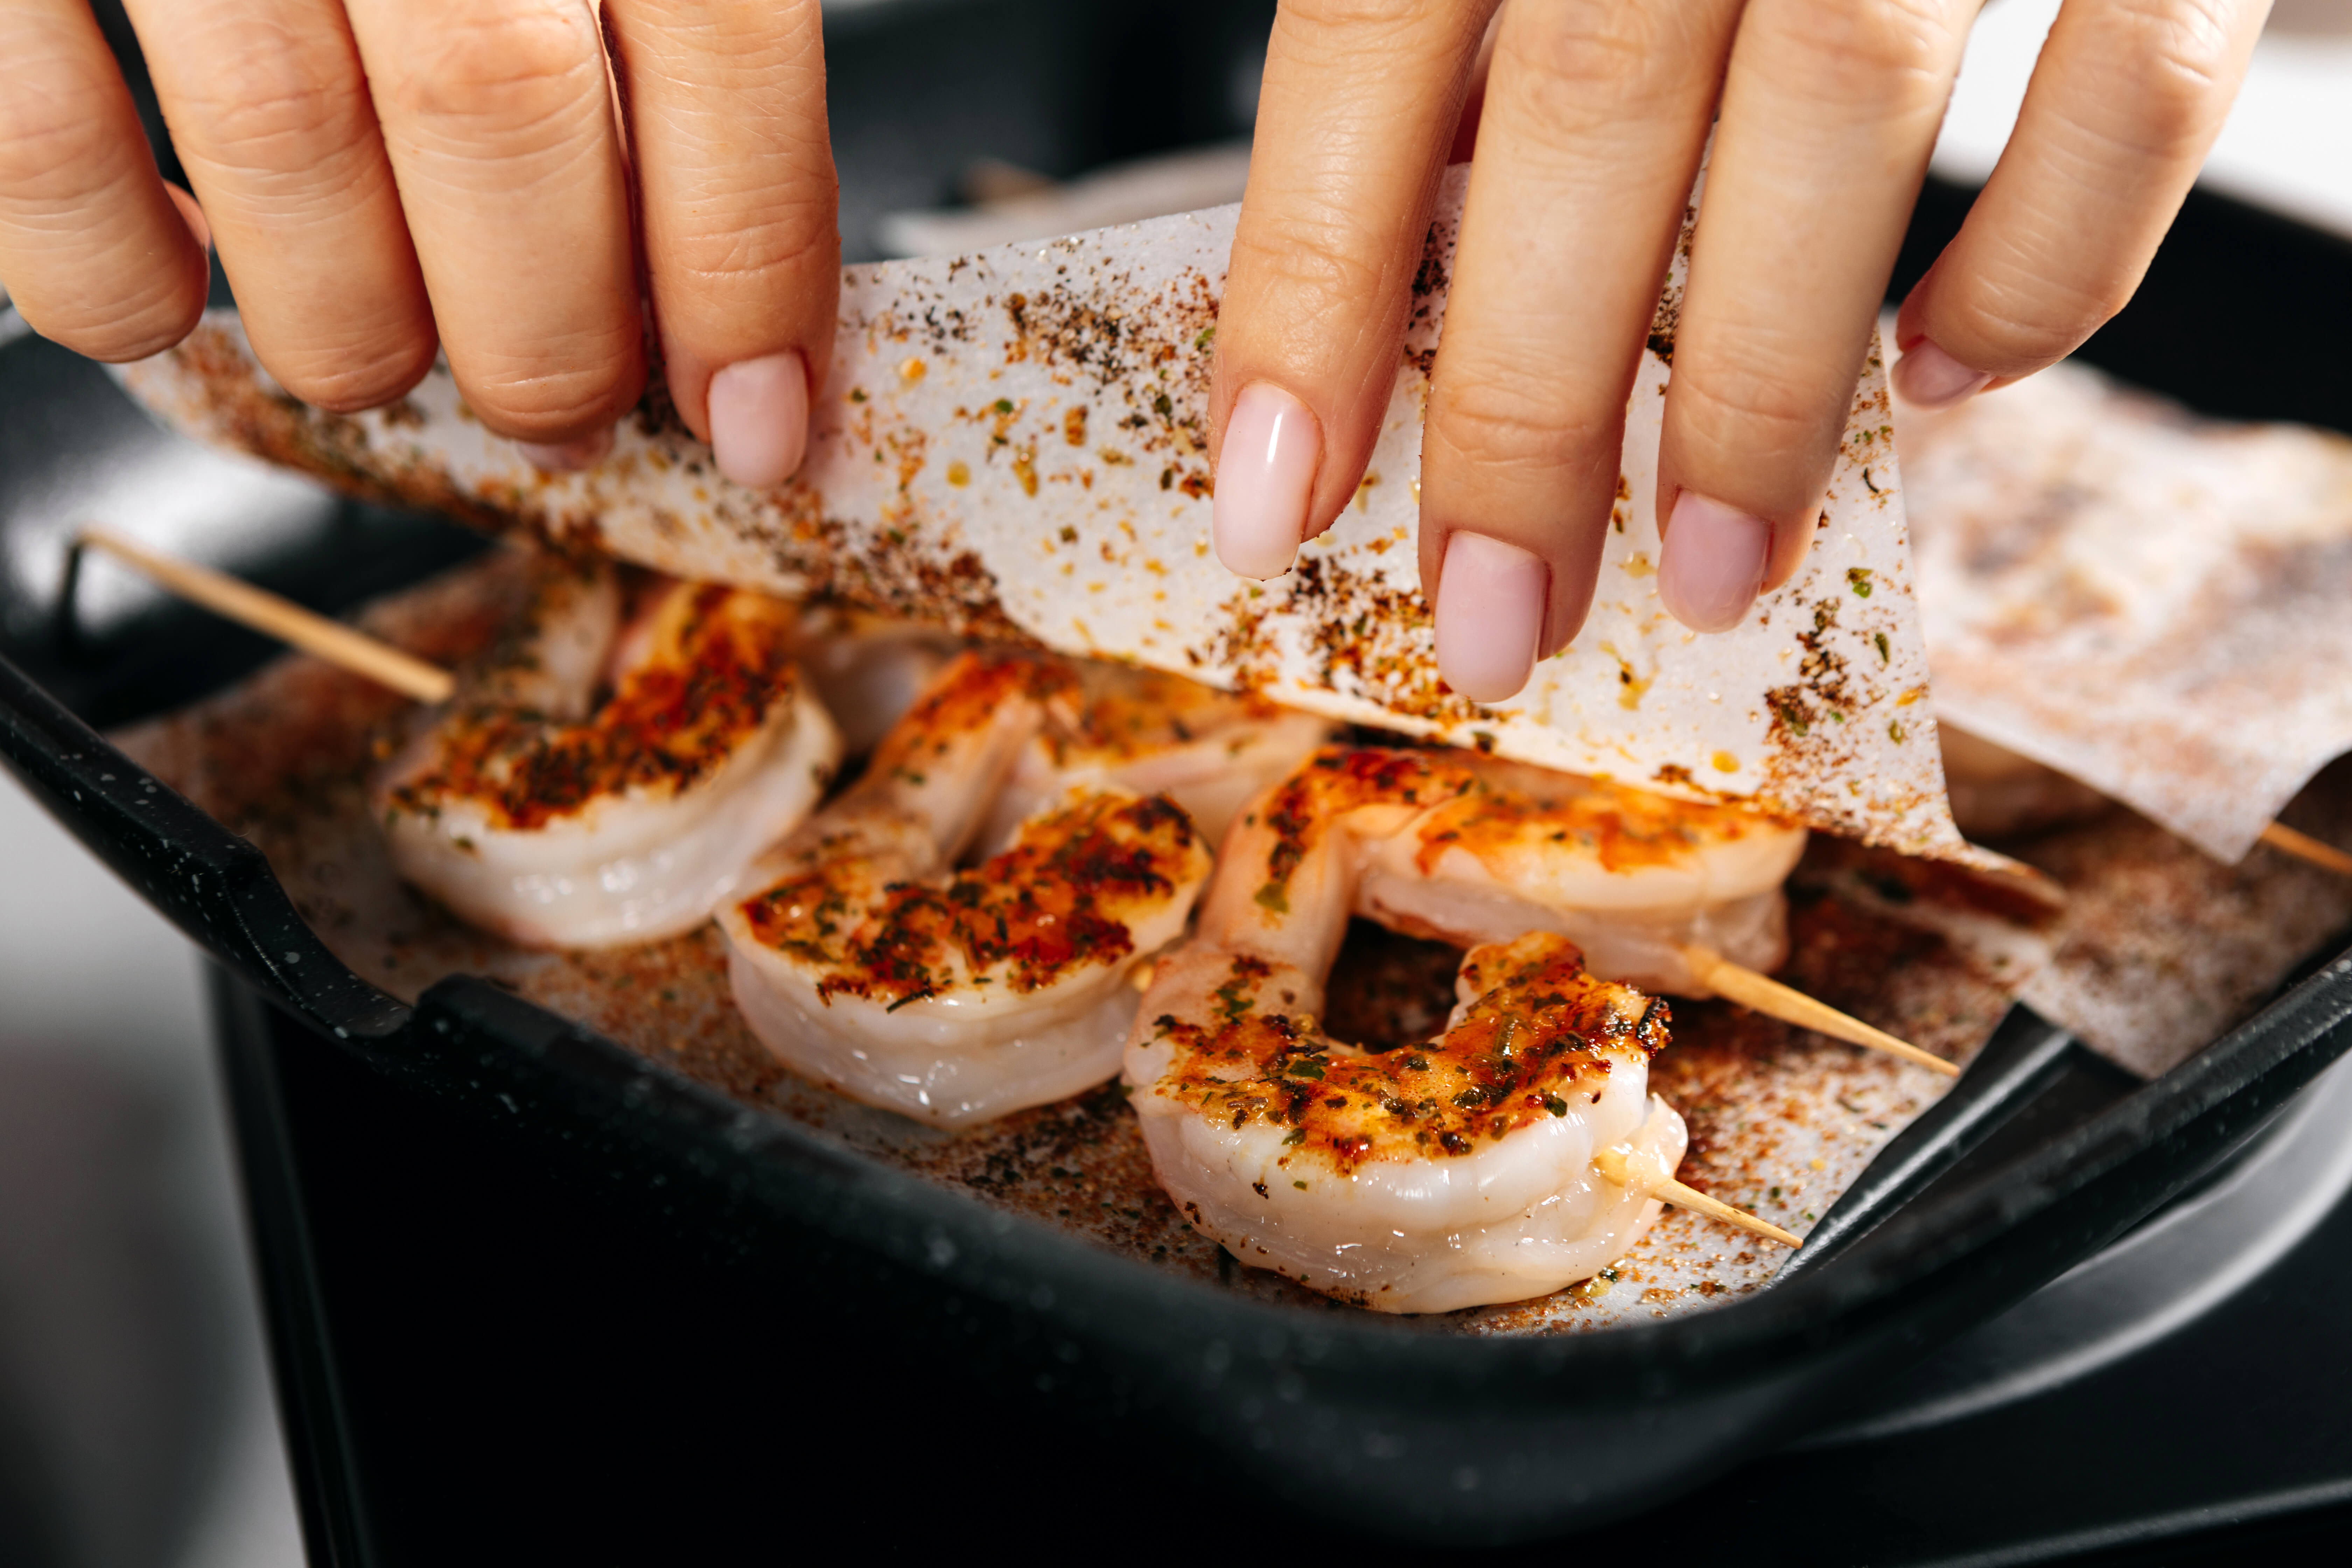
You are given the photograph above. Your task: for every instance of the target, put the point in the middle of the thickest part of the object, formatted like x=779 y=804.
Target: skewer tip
x=2305 y=847
x=1613 y=1164
x=1762 y=993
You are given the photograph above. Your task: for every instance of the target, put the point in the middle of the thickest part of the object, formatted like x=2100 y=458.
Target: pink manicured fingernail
x=1712 y=564
x=759 y=419
x=567 y=457
x=1930 y=377
x=1490 y=615
x=1267 y=467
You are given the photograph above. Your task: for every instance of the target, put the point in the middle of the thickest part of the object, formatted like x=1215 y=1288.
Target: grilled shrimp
x=1630 y=877
x=1450 y=1174
x=610 y=774
x=1209 y=752
x=870 y=961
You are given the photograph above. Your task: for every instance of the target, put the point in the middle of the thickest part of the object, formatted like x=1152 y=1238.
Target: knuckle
x=1313 y=260
x=776 y=244
x=2171 y=65
x=1875 y=51
x=1761 y=413
x=1506 y=424
x=2019 y=318
x=52 y=146
x=552 y=404
x=516 y=73
x=1357 y=19
x=1329 y=41
x=743 y=40
x=347 y=379
x=277 y=104
x=114 y=327
x=1579 y=50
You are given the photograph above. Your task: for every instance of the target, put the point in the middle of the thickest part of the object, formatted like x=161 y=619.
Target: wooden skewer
x=268 y=613
x=1775 y=1000
x=1610 y=1163
x=2304 y=847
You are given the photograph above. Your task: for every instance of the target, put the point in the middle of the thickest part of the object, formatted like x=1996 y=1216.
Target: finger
x=96 y=254
x=1595 y=116
x=1830 y=111
x=1354 y=122
x=269 y=113
x=1474 y=94
x=738 y=204
x=497 y=118
x=2124 y=106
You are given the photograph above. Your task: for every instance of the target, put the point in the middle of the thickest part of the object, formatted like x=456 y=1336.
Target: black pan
x=531 y=1294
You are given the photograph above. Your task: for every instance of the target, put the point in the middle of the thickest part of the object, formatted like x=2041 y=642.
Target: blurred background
x=136 y=1424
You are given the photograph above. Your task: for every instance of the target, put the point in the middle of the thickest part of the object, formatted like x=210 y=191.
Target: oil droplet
x=911 y=369
x=958 y=474
x=1725 y=763
x=1638 y=565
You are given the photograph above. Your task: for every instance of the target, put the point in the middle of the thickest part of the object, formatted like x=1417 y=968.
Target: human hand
x=385 y=175
x=1588 y=134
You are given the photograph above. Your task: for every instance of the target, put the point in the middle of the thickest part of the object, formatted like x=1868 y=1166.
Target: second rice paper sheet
x=2147 y=601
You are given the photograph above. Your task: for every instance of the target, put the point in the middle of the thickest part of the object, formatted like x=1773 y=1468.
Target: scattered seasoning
x=719 y=670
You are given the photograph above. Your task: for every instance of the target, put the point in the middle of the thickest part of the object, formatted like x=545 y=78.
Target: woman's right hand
x=385 y=177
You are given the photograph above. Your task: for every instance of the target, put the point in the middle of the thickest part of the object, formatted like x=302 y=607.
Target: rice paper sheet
x=1014 y=445
x=2151 y=602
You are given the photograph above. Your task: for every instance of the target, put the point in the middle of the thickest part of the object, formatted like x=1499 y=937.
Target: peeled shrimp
x=1422 y=1179
x=1209 y=752
x=612 y=773
x=1630 y=878
x=869 y=961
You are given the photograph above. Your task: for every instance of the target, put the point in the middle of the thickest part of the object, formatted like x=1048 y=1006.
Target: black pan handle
x=215 y=885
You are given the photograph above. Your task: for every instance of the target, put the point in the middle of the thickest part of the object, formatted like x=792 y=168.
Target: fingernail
x=1271 y=444
x=1928 y=377
x=1712 y=564
x=192 y=215
x=1490 y=615
x=567 y=457
x=759 y=419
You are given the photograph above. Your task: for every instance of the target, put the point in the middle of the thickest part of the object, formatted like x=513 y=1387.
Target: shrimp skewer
x=619 y=763
x=1664 y=894
x=1637 y=880
x=872 y=963
x=869 y=961
x=1453 y=1174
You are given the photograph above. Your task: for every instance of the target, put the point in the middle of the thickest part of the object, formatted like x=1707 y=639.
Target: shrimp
x=1633 y=879
x=868 y=961
x=621 y=761
x=1450 y=1175
x=868 y=668
x=1209 y=751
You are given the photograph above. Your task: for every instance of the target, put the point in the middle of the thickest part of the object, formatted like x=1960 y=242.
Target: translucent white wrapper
x=1015 y=443
x=2152 y=602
